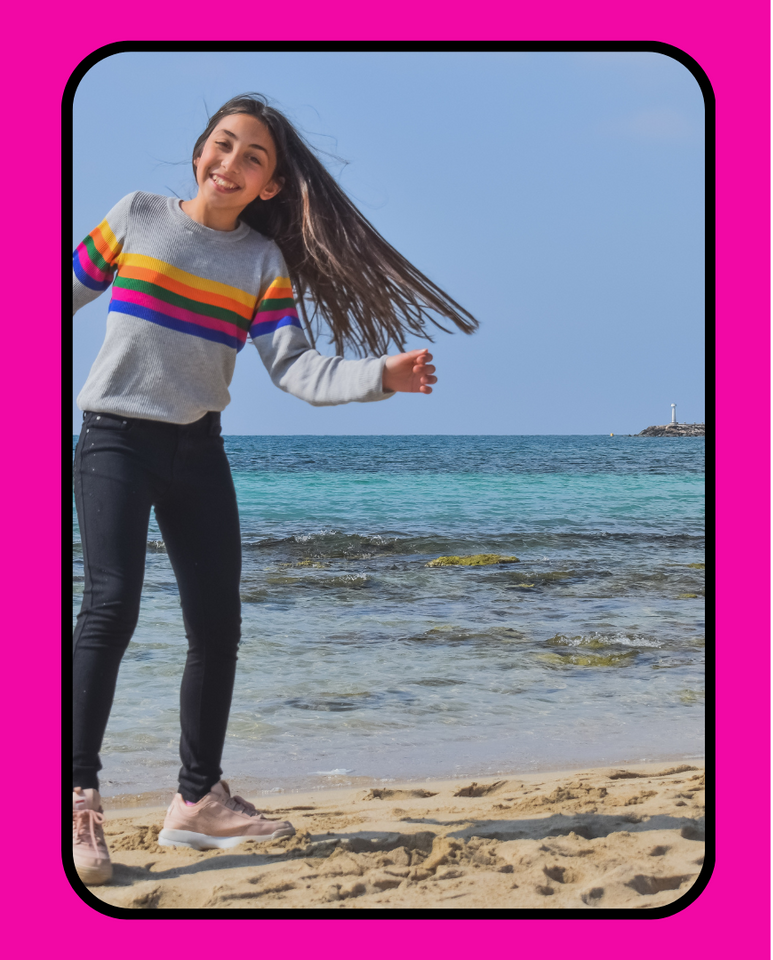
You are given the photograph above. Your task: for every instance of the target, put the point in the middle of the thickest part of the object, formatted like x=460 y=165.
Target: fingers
x=422 y=366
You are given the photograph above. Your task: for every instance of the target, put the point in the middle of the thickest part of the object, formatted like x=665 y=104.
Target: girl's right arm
x=95 y=260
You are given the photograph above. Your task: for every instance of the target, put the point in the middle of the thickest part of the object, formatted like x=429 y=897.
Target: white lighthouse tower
x=673 y=413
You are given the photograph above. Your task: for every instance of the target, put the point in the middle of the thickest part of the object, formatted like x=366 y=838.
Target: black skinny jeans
x=123 y=466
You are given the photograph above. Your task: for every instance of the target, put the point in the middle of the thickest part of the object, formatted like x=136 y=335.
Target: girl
x=192 y=282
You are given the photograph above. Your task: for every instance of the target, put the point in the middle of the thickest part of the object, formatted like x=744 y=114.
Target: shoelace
x=240 y=805
x=87 y=821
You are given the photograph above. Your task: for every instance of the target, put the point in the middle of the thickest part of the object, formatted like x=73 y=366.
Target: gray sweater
x=185 y=300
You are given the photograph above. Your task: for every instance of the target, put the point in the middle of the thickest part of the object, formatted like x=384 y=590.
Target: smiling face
x=236 y=166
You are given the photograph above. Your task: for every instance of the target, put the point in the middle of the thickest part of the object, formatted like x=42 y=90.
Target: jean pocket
x=107 y=421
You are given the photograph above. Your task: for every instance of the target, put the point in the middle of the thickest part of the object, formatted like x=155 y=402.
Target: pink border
x=732 y=45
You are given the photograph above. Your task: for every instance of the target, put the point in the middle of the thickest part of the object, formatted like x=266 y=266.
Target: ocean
x=361 y=664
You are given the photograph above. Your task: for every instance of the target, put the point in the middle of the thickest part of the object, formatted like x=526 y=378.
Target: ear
x=271 y=189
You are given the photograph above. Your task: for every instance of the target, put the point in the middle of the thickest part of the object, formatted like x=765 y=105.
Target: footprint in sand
x=631 y=775
x=377 y=793
x=592 y=897
x=480 y=790
x=646 y=886
x=694 y=831
x=559 y=874
x=659 y=851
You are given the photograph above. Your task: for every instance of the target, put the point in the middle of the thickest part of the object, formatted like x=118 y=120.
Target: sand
x=611 y=838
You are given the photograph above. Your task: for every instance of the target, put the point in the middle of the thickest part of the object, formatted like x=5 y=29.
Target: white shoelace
x=85 y=824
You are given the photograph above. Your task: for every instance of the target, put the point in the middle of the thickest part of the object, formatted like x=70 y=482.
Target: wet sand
x=604 y=838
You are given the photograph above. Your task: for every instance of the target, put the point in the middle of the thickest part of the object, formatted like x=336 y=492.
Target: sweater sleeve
x=95 y=260
x=297 y=368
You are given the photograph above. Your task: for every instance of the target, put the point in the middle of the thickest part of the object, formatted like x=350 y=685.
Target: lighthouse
x=673 y=413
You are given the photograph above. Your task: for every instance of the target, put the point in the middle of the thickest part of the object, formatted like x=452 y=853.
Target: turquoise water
x=357 y=657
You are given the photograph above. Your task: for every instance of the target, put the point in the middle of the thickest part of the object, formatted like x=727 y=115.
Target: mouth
x=223 y=184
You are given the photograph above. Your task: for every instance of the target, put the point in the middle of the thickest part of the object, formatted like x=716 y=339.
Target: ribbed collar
x=218 y=236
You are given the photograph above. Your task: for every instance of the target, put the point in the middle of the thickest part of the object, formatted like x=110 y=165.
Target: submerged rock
x=588 y=659
x=476 y=560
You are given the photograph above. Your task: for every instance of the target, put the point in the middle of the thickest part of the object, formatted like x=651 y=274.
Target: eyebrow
x=256 y=146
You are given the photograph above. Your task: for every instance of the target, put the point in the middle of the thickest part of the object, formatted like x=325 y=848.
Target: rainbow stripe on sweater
x=94 y=259
x=276 y=309
x=160 y=293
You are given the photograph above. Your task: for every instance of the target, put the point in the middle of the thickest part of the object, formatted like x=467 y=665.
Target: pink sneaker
x=89 y=850
x=218 y=820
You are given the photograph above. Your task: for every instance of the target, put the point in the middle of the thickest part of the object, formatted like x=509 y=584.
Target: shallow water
x=357 y=658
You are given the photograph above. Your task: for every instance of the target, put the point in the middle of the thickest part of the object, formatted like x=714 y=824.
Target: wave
x=332 y=544
x=344 y=702
x=338 y=543
x=600 y=641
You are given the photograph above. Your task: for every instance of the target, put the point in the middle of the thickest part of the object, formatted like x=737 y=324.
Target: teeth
x=223 y=183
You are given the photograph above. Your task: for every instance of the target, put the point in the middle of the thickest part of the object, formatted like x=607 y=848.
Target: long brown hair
x=343 y=271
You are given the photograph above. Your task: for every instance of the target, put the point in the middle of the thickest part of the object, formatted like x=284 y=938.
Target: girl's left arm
x=297 y=368
x=294 y=366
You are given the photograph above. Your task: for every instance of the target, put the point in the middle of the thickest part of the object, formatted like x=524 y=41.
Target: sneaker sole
x=94 y=876
x=200 y=841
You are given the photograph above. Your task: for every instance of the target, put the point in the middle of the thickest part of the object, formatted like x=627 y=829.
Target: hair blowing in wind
x=345 y=274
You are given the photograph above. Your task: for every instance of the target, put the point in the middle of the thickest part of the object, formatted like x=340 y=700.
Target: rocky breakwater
x=675 y=430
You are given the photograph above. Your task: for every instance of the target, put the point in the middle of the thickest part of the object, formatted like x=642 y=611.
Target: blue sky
x=558 y=196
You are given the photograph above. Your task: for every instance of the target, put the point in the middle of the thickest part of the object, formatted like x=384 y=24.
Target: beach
x=377 y=681
x=600 y=838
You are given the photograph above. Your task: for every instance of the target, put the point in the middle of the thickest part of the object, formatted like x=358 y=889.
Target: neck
x=225 y=220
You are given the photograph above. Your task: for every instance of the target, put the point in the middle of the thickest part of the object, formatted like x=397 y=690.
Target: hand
x=409 y=372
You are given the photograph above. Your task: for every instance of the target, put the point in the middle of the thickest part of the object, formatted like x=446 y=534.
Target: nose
x=229 y=163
